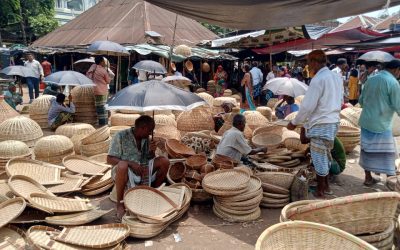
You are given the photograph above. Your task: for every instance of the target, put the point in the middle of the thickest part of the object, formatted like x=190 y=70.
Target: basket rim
x=239 y=186
x=87 y=207
x=27 y=179
x=65 y=220
x=87 y=159
x=11 y=202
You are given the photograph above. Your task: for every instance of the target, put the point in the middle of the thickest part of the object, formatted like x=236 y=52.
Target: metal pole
x=172 y=44
x=72 y=62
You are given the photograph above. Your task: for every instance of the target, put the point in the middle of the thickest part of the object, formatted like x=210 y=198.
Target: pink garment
x=100 y=77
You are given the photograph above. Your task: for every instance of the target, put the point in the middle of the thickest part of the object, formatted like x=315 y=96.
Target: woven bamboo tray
x=89 y=153
x=253 y=190
x=76 y=140
x=5 y=190
x=71 y=129
x=99 y=181
x=11 y=209
x=11 y=237
x=20 y=128
x=83 y=165
x=178 y=149
x=97 y=190
x=378 y=237
x=243 y=205
x=96 y=136
x=71 y=184
x=274 y=189
x=141 y=230
x=226 y=180
x=195 y=120
x=57 y=160
x=351 y=114
x=59 y=205
x=234 y=211
x=44 y=173
x=283 y=180
x=294 y=205
x=77 y=219
x=270 y=141
x=196 y=161
x=176 y=172
x=359 y=214
x=96 y=146
x=6 y=111
x=303 y=235
x=266 y=112
x=237 y=218
x=53 y=145
x=23 y=186
x=348 y=131
x=102 y=158
x=149 y=203
x=255 y=119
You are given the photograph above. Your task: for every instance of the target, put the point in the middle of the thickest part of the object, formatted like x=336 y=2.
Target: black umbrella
x=150 y=67
x=154 y=95
x=68 y=78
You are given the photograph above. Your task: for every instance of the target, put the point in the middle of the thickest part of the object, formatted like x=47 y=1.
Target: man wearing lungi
x=380 y=99
x=320 y=111
x=133 y=157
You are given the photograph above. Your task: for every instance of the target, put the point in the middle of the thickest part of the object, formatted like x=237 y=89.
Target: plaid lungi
x=102 y=114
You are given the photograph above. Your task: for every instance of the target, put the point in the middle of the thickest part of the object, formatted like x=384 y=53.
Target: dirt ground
x=201 y=229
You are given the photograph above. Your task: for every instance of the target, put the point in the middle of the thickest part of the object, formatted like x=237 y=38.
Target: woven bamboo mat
x=83 y=165
x=59 y=205
x=77 y=219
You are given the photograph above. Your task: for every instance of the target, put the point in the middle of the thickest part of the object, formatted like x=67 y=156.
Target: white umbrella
x=18 y=71
x=151 y=67
x=286 y=86
x=377 y=56
x=108 y=48
x=68 y=78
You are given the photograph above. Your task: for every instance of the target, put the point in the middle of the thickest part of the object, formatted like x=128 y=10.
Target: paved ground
x=201 y=229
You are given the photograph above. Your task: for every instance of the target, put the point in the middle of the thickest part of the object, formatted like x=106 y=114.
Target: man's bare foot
x=120 y=210
x=318 y=195
x=370 y=181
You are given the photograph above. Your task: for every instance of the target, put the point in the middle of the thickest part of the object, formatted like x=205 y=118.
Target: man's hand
x=137 y=169
x=290 y=126
x=265 y=149
x=153 y=145
x=70 y=98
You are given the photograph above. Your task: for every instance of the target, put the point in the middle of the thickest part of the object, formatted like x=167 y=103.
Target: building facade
x=67 y=10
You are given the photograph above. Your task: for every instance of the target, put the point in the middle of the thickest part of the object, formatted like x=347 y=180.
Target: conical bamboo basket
x=6 y=111
x=20 y=128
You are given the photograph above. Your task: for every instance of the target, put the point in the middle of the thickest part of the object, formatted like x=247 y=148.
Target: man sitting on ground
x=282 y=111
x=233 y=145
x=133 y=157
x=12 y=97
x=60 y=113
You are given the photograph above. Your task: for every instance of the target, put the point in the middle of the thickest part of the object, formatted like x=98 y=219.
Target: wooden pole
x=72 y=62
x=201 y=73
x=172 y=44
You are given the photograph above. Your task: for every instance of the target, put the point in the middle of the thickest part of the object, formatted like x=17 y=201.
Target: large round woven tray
x=142 y=230
x=302 y=235
x=11 y=237
x=10 y=210
x=77 y=219
x=149 y=203
x=270 y=141
x=274 y=189
x=20 y=128
x=23 y=186
x=196 y=161
x=83 y=165
x=71 y=129
x=59 y=205
x=96 y=136
x=283 y=180
x=237 y=218
x=100 y=236
x=357 y=217
x=44 y=173
x=226 y=180
x=99 y=146
x=253 y=190
x=235 y=211
x=378 y=237
x=53 y=145
x=99 y=181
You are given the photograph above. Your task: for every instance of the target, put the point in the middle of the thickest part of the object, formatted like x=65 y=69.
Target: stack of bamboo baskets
x=97 y=142
x=39 y=110
x=83 y=98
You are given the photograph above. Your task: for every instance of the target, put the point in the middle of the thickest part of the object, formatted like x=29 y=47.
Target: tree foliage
x=35 y=17
x=216 y=29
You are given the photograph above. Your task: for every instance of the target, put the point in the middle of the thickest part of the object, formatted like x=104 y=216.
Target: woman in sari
x=220 y=79
x=247 y=83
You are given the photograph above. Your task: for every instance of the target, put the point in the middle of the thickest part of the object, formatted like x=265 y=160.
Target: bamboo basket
x=11 y=149
x=195 y=120
x=237 y=218
x=23 y=186
x=71 y=183
x=85 y=166
x=53 y=145
x=226 y=181
x=266 y=112
x=303 y=235
x=40 y=106
x=164 y=120
x=207 y=97
x=76 y=140
x=159 y=112
x=271 y=141
x=167 y=132
x=59 y=205
x=248 y=132
x=96 y=136
x=6 y=111
x=20 y=128
x=83 y=94
x=344 y=122
x=83 y=98
x=127 y=111
x=205 y=67
x=119 y=119
x=396 y=125
x=255 y=119
x=178 y=149
x=71 y=129
x=220 y=100
x=356 y=214
x=352 y=115
x=271 y=103
x=196 y=161
x=96 y=146
x=115 y=129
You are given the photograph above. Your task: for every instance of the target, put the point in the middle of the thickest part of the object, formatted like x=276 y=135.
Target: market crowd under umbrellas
x=282 y=138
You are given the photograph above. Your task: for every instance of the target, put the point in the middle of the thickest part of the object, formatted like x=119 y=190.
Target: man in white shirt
x=257 y=76
x=233 y=145
x=33 y=82
x=272 y=74
x=320 y=111
x=340 y=69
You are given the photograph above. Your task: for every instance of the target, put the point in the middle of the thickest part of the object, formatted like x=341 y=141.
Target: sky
x=375 y=13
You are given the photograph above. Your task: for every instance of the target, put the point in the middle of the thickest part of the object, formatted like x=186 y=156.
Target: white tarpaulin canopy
x=264 y=14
